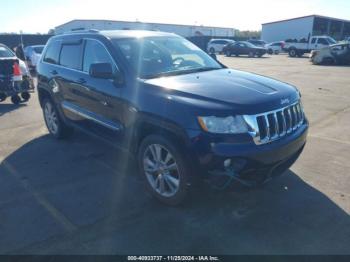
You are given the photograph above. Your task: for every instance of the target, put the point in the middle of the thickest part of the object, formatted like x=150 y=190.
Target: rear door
x=70 y=74
x=243 y=49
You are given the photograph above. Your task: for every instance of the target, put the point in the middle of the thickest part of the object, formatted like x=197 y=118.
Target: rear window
x=5 y=52
x=52 y=53
x=71 y=56
x=38 y=49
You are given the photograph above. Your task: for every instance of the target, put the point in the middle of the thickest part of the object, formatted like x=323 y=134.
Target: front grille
x=270 y=126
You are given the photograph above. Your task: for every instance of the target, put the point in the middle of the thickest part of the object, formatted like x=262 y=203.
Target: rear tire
x=270 y=51
x=53 y=121
x=165 y=169
x=292 y=52
x=228 y=53
x=15 y=99
x=212 y=50
x=251 y=54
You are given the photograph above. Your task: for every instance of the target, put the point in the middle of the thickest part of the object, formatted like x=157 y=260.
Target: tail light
x=17 y=74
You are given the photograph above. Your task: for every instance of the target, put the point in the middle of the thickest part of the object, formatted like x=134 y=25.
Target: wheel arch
x=42 y=94
x=146 y=126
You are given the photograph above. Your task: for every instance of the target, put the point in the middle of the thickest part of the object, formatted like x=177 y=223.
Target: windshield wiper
x=181 y=72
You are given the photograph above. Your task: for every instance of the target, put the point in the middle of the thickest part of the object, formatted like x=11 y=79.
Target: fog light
x=227 y=163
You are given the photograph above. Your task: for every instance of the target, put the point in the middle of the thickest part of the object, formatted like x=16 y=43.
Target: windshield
x=38 y=49
x=331 y=40
x=160 y=56
x=5 y=52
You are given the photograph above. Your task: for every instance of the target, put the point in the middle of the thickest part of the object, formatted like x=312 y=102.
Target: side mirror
x=101 y=70
x=213 y=55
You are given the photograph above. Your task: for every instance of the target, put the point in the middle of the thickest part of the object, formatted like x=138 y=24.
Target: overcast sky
x=40 y=15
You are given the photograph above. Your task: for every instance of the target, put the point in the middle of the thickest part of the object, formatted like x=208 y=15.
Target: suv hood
x=244 y=91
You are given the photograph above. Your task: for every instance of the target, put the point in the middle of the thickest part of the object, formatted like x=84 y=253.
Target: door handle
x=105 y=103
x=53 y=72
x=81 y=81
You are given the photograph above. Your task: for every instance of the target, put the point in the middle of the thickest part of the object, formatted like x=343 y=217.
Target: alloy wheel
x=161 y=170
x=51 y=118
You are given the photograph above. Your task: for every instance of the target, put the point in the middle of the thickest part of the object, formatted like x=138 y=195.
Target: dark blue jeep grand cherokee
x=182 y=113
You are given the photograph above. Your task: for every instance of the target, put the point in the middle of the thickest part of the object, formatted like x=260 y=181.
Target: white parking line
x=55 y=213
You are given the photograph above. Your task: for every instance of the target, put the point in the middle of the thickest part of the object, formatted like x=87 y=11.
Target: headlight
x=223 y=125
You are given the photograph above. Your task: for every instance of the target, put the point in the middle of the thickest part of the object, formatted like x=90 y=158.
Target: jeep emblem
x=284 y=101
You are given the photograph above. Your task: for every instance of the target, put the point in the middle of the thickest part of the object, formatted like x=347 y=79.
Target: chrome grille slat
x=268 y=134
x=276 y=126
x=284 y=124
x=270 y=126
x=290 y=124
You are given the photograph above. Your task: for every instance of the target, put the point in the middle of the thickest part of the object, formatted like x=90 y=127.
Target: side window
x=313 y=40
x=95 y=52
x=71 y=56
x=52 y=53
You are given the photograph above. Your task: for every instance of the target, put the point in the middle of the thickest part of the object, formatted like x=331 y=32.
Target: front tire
x=228 y=53
x=53 y=121
x=164 y=169
x=15 y=99
x=212 y=50
x=251 y=54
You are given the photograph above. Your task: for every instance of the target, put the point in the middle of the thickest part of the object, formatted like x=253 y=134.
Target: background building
x=183 y=30
x=303 y=27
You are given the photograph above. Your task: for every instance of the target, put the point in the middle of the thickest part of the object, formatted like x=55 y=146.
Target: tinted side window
x=52 y=53
x=71 y=56
x=322 y=41
x=313 y=40
x=95 y=52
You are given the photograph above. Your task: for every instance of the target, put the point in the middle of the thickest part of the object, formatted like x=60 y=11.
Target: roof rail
x=78 y=31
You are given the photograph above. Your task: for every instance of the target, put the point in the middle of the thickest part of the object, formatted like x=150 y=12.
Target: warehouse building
x=183 y=30
x=303 y=27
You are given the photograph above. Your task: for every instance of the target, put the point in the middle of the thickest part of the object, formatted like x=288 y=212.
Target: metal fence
x=14 y=40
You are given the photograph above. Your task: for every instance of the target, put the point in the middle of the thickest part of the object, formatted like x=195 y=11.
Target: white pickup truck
x=299 y=48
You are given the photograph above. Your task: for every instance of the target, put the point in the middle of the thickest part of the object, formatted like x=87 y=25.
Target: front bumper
x=245 y=160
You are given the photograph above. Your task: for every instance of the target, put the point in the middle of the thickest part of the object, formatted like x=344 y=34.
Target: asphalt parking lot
x=80 y=196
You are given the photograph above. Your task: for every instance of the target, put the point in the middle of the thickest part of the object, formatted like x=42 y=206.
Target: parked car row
x=323 y=49
x=252 y=47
